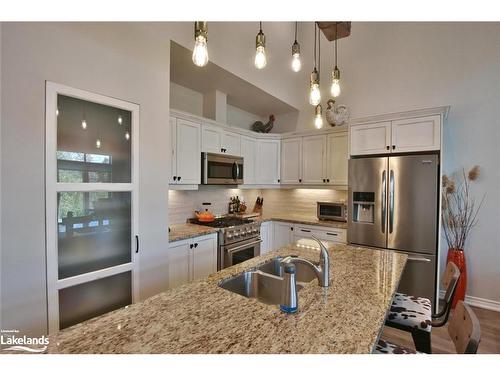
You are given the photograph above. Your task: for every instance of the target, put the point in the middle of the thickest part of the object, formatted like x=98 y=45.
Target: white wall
x=390 y=67
x=118 y=60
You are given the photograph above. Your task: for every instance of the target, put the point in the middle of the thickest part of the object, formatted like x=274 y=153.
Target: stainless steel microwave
x=220 y=169
x=336 y=211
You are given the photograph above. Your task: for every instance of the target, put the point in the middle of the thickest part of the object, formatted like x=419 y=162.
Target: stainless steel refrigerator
x=393 y=204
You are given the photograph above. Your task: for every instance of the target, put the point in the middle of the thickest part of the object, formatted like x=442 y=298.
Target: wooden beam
x=335 y=30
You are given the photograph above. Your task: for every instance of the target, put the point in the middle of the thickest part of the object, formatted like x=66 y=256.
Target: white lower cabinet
x=191 y=259
x=282 y=234
x=266 y=236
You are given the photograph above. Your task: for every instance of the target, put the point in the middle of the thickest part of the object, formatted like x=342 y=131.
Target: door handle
x=391 y=201
x=418 y=259
x=136 y=243
x=305 y=230
x=235 y=171
x=234 y=249
x=384 y=200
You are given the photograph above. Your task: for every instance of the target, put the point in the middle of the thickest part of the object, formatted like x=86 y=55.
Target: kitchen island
x=201 y=317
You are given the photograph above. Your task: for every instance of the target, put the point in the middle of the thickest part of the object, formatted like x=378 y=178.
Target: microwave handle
x=236 y=171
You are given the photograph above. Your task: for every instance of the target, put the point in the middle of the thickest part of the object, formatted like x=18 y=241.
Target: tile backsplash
x=182 y=204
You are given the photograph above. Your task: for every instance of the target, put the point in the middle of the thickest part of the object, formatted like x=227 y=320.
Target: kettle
x=205 y=216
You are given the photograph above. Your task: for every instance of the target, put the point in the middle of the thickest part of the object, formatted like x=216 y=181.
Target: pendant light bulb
x=200 y=51
x=120 y=120
x=127 y=135
x=318 y=118
x=260 y=50
x=314 y=93
x=98 y=143
x=84 y=124
x=335 y=88
x=296 y=63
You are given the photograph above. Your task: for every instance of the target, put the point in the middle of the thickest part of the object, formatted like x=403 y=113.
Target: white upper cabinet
x=211 y=139
x=185 y=152
x=314 y=159
x=291 y=161
x=372 y=138
x=337 y=156
x=249 y=154
x=231 y=143
x=416 y=134
x=268 y=161
x=412 y=134
x=219 y=141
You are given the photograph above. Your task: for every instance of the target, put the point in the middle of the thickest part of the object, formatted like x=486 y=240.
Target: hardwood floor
x=441 y=342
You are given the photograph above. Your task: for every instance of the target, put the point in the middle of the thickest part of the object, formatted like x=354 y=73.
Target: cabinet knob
x=278 y=180
x=191 y=246
x=327 y=180
x=324 y=180
x=393 y=147
x=175 y=178
x=178 y=178
x=388 y=147
x=196 y=245
x=300 y=180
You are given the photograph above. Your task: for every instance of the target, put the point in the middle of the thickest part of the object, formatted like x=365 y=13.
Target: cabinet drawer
x=325 y=234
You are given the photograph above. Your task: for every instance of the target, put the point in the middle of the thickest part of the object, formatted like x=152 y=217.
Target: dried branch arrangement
x=459 y=208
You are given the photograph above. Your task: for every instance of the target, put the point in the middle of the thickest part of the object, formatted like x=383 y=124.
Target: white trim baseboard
x=483 y=303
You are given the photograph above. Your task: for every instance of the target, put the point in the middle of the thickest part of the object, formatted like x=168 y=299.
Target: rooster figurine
x=260 y=127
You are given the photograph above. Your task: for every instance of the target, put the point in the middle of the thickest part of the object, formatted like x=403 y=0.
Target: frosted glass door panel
x=93 y=142
x=85 y=301
x=94 y=231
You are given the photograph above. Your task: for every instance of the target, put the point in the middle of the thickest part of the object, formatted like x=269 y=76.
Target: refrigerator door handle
x=384 y=200
x=391 y=201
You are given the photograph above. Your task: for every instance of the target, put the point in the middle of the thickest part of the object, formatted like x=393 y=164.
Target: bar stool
x=464 y=331
x=414 y=314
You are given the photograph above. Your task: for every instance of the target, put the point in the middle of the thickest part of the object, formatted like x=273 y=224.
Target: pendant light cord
x=296 y=31
x=335 y=45
x=319 y=53
x=260 y=26
x=314 y=45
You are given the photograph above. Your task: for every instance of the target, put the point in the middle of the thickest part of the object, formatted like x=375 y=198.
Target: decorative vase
x=457 y=256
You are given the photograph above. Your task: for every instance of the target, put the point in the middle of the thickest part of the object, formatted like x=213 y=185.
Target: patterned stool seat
x=386 y=347
x=410 y=312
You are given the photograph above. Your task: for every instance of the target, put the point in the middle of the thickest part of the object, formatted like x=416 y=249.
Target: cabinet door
x=265 y=235
x=211 y=139
x=314 y=159
x=282 y=234
x=369 y=139
x=231 y=143
x=291 y=160
x=416 y=134
x=249 y=154
x=336 y=159
x=178 y=264
x=204 y=255
x=268 y=162
x=173 y=155
x=188 y=152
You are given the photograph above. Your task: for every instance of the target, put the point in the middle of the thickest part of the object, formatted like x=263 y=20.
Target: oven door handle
x=234 y=249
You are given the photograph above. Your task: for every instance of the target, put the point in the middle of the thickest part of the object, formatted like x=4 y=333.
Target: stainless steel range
x=239 y=240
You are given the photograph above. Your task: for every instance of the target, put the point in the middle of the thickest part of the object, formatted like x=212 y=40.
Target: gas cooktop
x=224 y=222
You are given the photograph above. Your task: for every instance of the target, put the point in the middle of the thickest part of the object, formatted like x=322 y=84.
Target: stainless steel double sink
x=264 y=282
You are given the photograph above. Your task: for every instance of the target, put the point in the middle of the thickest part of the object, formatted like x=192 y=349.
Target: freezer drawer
x=419 y=276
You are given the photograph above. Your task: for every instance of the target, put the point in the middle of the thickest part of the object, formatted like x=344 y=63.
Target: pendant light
x=84 y=120
x=120 y=119
x=296 y=63
x=127 y=135
x=98 y=143
x=314 y=93
x=260 y=49
x=200 y=51
x=335 y=88
x=318 y=117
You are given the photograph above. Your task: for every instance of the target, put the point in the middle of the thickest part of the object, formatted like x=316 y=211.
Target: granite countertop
x=201 y=317
x=302 y=219
x=183 y=231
